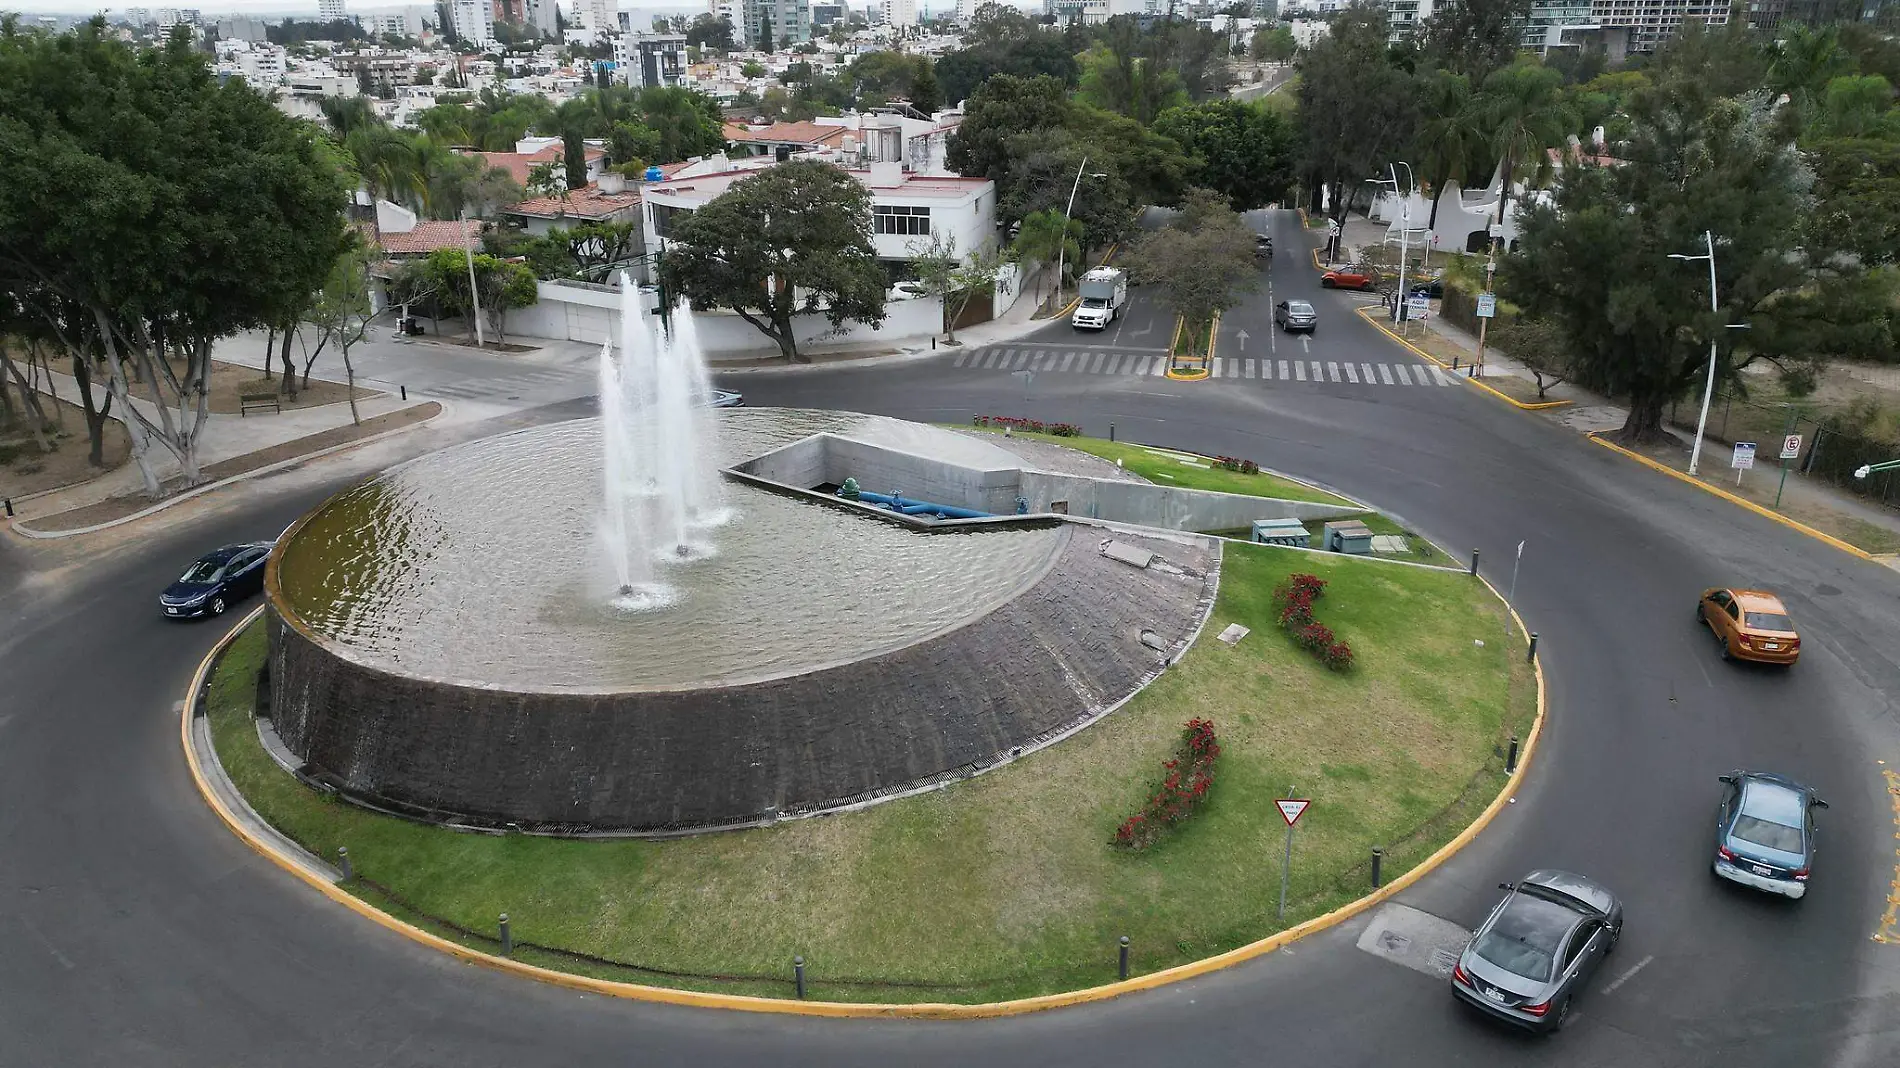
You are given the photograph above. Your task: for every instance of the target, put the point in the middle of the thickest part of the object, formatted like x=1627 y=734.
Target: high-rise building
x=600 y=19
x=1648 y=23
x=650 y=60
x=899 y=12
x=473 y=21
x=1404 y=17
x=776 y=19
x=331 y=11
x=541 y=17
x=823 y=15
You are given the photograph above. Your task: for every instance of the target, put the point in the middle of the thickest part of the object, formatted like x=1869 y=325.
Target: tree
x=1449 y=135
x=1202 y=261
x=503 y=286
x=708 y=31
x=687 y=122
x=926 y=96
x=1276 y=45
x=1048 y=237
x=1857 y=187
x=1475 y=37
x=1637 y=324
x=342 y=313
x=1348 y=83
x=795 y=238
x=752 y=68
x=1523 y=111
x=1117 y=79
x=954 y=280
x=157 y=210
x=1243 y=151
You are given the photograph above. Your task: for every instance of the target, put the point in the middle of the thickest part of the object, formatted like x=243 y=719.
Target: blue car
x=216 y=581
x=1764 y=832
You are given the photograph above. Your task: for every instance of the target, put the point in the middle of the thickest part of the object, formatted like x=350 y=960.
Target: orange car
x=1750 y=625
x=1350 y=276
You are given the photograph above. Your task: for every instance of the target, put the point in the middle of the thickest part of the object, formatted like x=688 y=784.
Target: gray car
x=1531 y=957
x=1764 y=832
x=1291 y=315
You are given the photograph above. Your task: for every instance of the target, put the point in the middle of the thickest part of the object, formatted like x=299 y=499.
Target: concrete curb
x=1765 y=513
x=297 y=863
x=199 y=491
x=1534 y=406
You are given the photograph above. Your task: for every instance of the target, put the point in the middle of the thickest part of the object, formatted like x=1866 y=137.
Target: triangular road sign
x=1290 y=809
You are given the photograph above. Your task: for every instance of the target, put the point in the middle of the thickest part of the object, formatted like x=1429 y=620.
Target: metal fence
x=1831 y=449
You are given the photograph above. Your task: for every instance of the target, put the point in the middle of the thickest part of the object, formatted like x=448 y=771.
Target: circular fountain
x=598 y=626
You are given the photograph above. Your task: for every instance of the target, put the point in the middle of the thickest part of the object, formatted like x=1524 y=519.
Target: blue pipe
x=907 y=506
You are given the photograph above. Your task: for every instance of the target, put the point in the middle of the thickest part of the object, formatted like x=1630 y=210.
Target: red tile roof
x=589 y=203
x=430 y=235
x=787 y=133
x=519 y=164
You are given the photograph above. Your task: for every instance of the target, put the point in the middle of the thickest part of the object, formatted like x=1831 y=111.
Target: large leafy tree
x=1637 y=323
x=688 y=122
x=1046 y=237
x=166 y=209
x=1475 y=37
x=795 y=238
x=1202 y=261
x=1004 y=107
x=1523 y=111
x=1356 y=107
x=1243 y=151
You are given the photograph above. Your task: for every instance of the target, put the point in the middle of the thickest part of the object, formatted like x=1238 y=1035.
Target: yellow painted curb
x=1531 y=406
x=1106 y=256
x=1192 y=374
x=918 y=1010
x=1734 y=499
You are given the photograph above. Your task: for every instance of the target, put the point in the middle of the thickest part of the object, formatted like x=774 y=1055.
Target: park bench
x=260 y=401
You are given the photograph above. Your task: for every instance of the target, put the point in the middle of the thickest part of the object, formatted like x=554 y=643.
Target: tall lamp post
x=1708 y=390
x=474 y=291
x=1062 y=248
x=1405 y=227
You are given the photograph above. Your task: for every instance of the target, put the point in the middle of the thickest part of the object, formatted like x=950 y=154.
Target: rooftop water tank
x=653 y=174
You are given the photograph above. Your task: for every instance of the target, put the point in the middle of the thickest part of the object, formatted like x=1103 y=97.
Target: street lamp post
x=1062 y=247
x=1405 y=227
x=474 y=291
x=1708 y=389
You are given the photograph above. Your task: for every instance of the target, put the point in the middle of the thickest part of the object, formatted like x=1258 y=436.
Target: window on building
x=666 y=218
x=900 y=219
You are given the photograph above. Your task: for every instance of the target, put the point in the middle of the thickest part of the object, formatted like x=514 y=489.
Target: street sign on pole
x=1290 y=810
x=1744 y=456
x=1791 y=447
x=1417 y=307
x=1487 y=305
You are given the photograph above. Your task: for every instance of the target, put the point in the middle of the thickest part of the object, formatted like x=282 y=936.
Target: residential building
x=608 y=200
x=650 y=60
x=1091 y=12
x=541 y=17
x=1266 y=9
x=513 y=12
x=331 y=11
x=137 y=16
x=899 y=12
x=778 y=19
x=1404 y=17
x=531 y=152
x=403 y=24
x=1648 y=23
x=238 y=28
x=1571 y=24
x=599 y=19
x=1307 y=31
x=383 y=69
x=473 y=21
x=405 y=236
x=299 y=94
x=823 y=15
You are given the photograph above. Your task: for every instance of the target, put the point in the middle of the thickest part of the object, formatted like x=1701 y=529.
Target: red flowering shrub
x=1296 y=599
x=1184 y=785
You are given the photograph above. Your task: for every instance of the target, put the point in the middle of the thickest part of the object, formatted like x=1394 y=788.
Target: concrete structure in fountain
x=438 y=648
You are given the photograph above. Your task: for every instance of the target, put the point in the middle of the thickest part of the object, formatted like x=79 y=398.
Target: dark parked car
x=1535 y=953
x=216 y=581
x=725 y=398
x=1433 y=288
x=1291 y=315
x=1764 y=832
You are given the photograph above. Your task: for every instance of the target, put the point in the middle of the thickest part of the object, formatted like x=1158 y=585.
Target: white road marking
x=1067 y=359
x=1332 y=371
x=1213 y=368
x=1282 y=370
x=1161 y=366
x=1299 y=370
x=1318 y=375
x=1366 y=371
x=1628 y=975
x=961 y=356
x=1385 y=372
x=1352 y=375
x=1095 y=362
x=1249 y=368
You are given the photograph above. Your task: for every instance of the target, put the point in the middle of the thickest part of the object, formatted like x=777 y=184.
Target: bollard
x=1111 y=437
x=933 y=342
x=1474 y=561
x=1123 y=970
x=405 y=392
x=1454 y=361
x=9 y=508
x=507 y=937
x=1510 y=759
x=1532 y=654
x=1378 y=855
x=343 y=861
x=798 y=975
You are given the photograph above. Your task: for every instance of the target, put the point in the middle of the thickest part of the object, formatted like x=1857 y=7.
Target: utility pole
x=1708 y=391
x=474 y=290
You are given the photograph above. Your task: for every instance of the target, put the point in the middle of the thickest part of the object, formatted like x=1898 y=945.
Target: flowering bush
x=1030 y=426
x=1235 y=463
x=1296 y=599
x=1184 y=785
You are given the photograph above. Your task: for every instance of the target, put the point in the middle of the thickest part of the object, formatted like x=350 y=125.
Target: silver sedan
x=1532 y=956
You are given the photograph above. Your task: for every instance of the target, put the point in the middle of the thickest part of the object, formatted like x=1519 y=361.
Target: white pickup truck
x=1104 y=292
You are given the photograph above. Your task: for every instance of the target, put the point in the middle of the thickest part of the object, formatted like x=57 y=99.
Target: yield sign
x=1290 y=809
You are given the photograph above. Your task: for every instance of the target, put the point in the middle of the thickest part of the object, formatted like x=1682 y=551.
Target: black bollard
x=9 y=508
x=405 y=392
x=1123 y=970
x=1532 y=654
x=343 y=862
x=1510 y=759
x=1474 y=561
x=1454 y=361
x=1111 y=437
x=507 y=937
x=798 y=975
x=933 y=342
x=1378 y=855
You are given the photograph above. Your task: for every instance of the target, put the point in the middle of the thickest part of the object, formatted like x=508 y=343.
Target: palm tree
x=1045 y=237
x=1451 y=132
x=388 y=161
x=347 y=114
x=1804 y=62
x=1523 y=112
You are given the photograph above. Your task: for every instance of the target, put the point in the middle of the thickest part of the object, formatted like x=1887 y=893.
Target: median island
x=1393 y=717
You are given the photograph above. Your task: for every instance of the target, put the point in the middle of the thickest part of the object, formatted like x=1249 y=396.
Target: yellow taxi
x=1749 y=625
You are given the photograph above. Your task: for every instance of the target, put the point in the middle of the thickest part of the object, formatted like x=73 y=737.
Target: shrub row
x=1188 y=776
x=1031 y=426
x=1295 y=598
x=1235 y=463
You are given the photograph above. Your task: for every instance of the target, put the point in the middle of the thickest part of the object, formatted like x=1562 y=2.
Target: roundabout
x=140 y=932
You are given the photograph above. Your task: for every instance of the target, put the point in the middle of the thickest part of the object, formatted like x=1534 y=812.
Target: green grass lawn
x=1005 y=885
x=1171 y=467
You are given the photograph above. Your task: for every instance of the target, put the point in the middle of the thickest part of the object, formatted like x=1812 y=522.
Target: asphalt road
x=135 y=930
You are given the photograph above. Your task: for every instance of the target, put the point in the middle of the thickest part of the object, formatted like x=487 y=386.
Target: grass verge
x=1817 y=506
x=1171 y=467
x=1005 y=885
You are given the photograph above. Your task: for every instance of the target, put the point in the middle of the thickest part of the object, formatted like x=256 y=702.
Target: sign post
x=1743 y=459
x=1790 y=450
x=1290 y=809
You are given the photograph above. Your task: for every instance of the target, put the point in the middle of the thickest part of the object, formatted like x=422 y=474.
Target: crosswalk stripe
x=988 y=357
x=1282 y=370
x=1317 y=376
x=1213 y=368
x=1445 y=378
x=1385 y=372
x=1366 y=369
x=961 y=356
x=1403 y=371
x=1299 y=370
x=1250 y=364
x=1332 y=371
x=1351 y=374
x=1094 y=363
x=1067 y=359
x=1114 y=363
x=1160 y=367
x=1021 y=359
